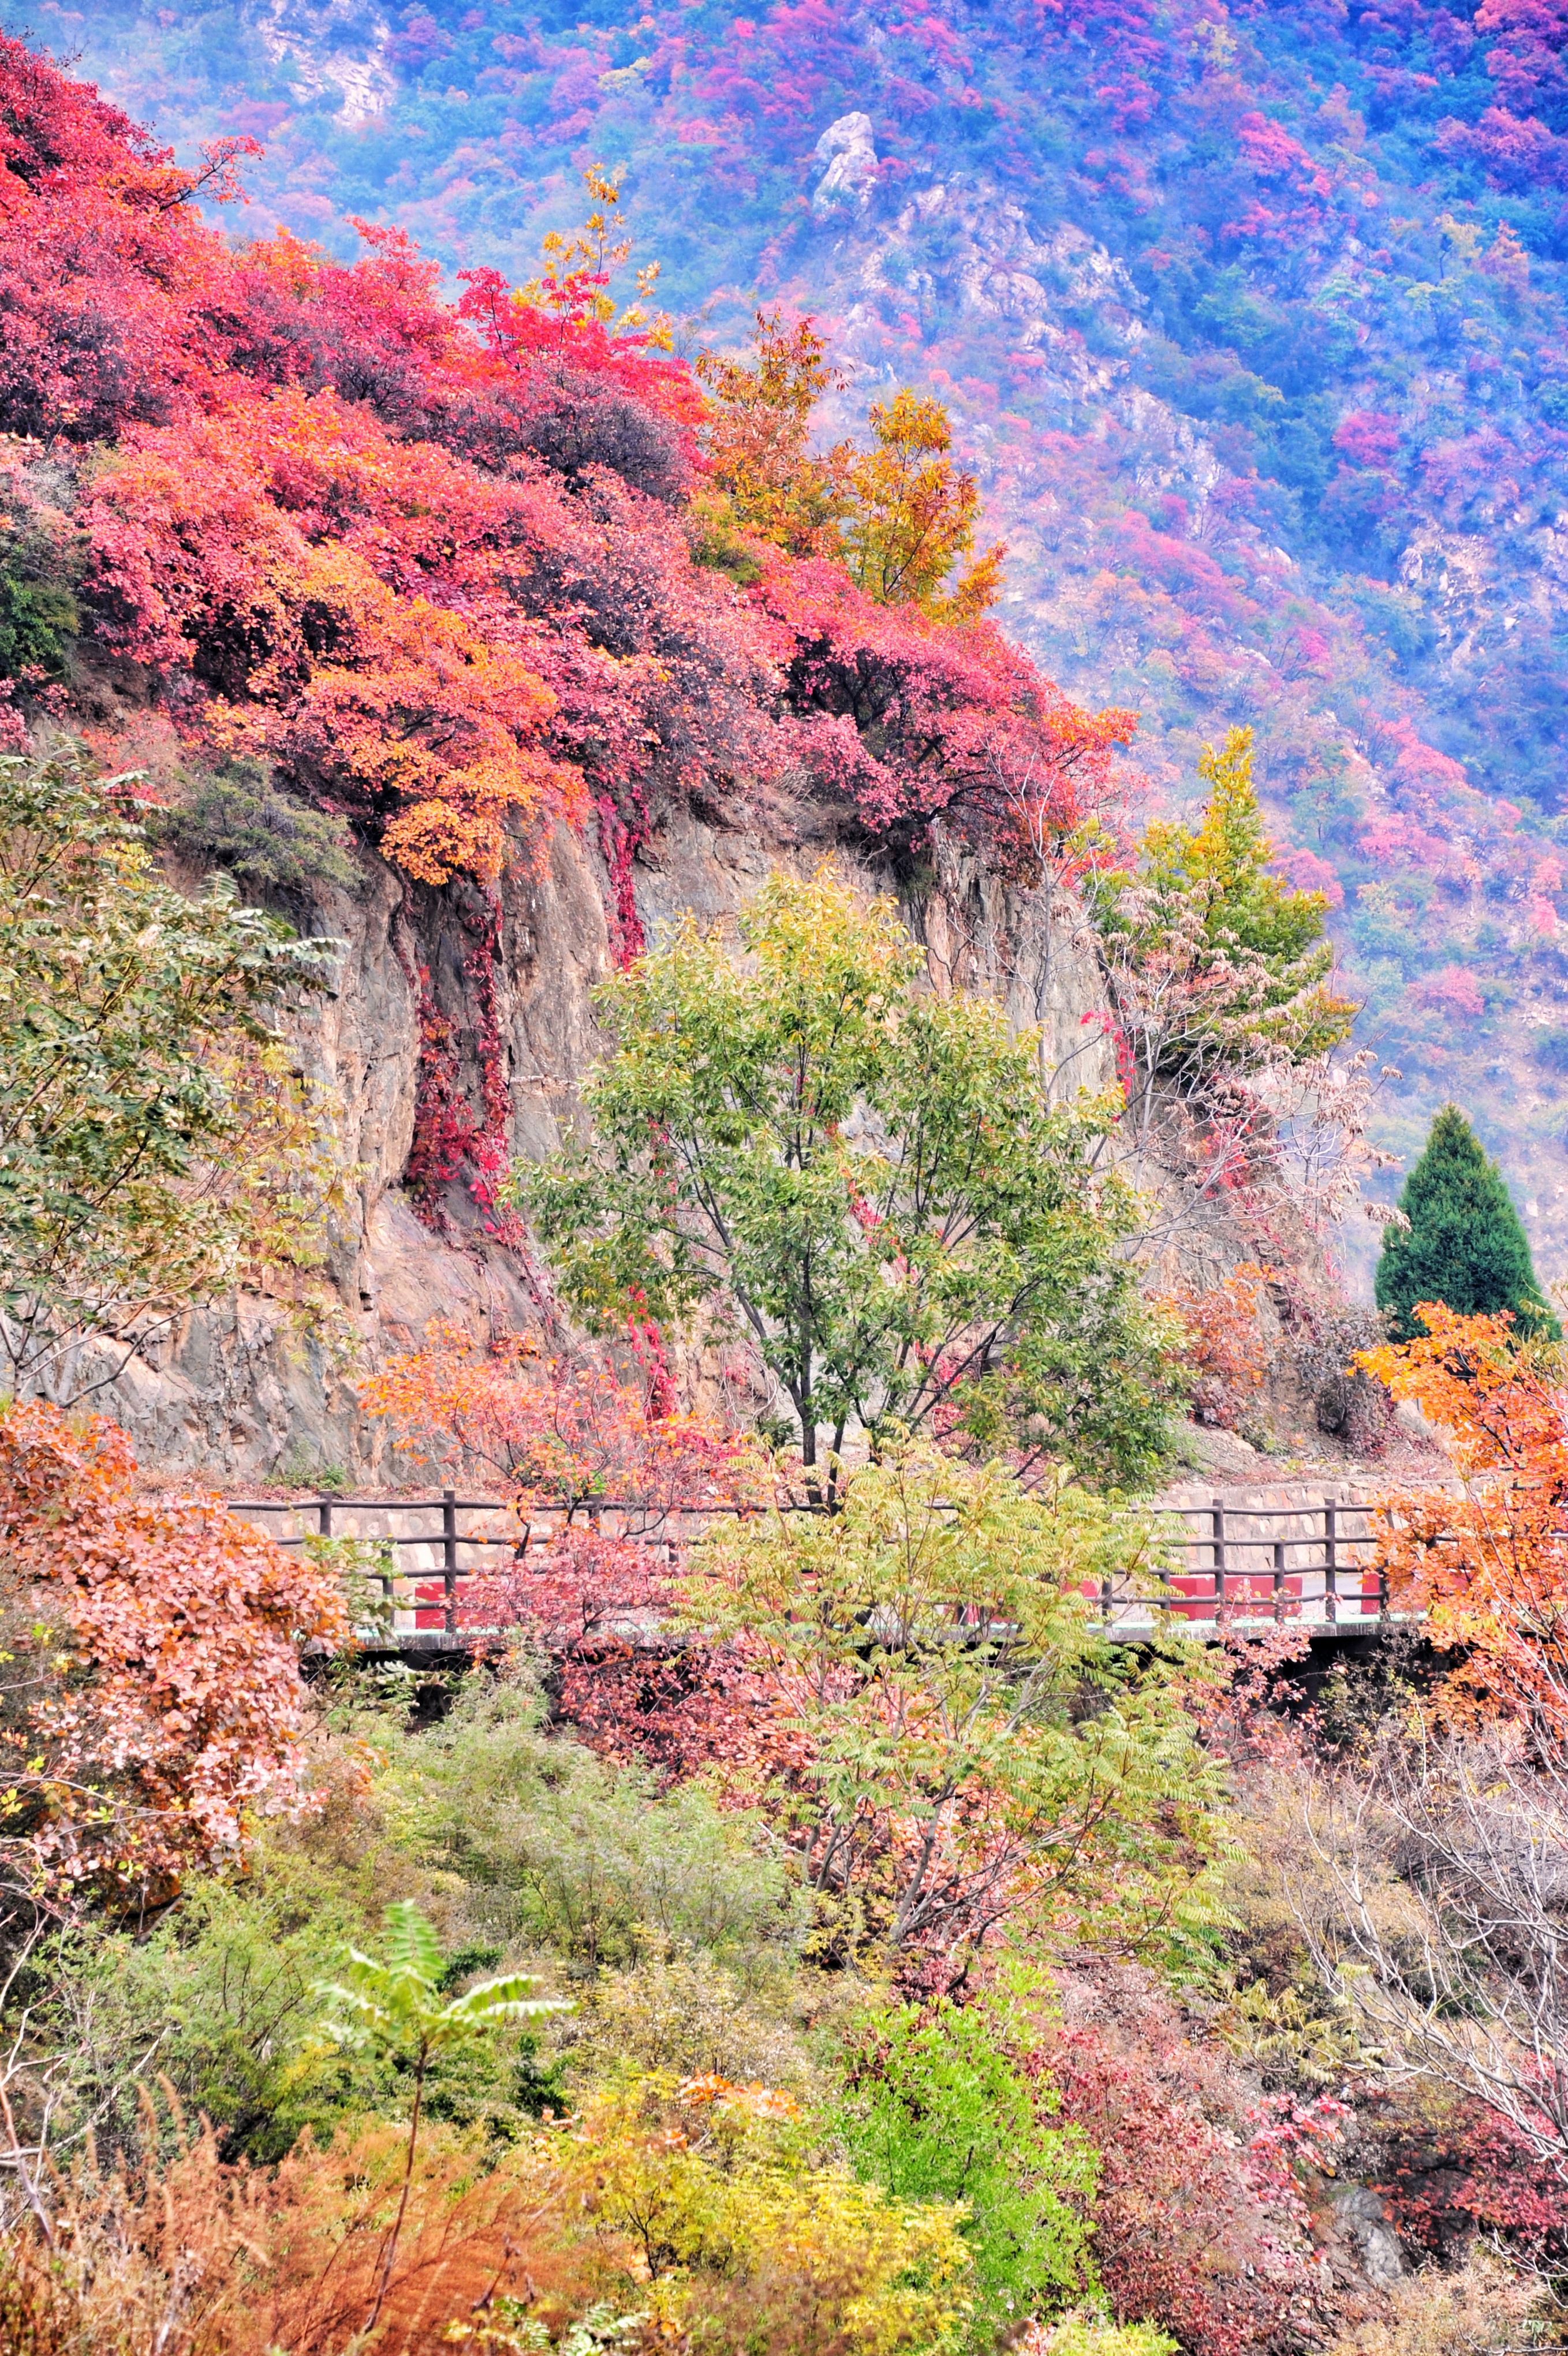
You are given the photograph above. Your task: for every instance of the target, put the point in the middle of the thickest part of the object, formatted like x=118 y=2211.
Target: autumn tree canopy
x=871 y=1178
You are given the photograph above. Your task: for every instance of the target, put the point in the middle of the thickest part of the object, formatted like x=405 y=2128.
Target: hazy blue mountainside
x=1252 y=320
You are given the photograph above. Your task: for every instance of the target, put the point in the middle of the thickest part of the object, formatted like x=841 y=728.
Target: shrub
x=1480 y=2308
x=561 y=1849
x=241 y=2264
x=1450 y=2168
x=745 y=2238
x=576 y=425
x=161 y=1708
x=1198 y=2224
x=38 y=612
x=236 y=817
x=936 y=2111
x=686 y=2014
x=156 y=1137
x=1091 y=2335
x=221 y=1996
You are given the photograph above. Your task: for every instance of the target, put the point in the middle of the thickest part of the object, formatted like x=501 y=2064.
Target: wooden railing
x=1311 y=1563
x=448 y=1537
x=1306 y=1562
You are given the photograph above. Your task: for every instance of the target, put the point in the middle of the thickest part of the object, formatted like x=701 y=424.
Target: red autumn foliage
x=1449 y=2167
x=614 y=1481
x=1199 y=2218
x=1223 y=1344
x=167 y=1708
x=911 y=720
x=427 y=647
x=560 y=1436
x=434 y=562
x=538 y=346
x=679 y=1708
x=111 y=286
x=429 y=557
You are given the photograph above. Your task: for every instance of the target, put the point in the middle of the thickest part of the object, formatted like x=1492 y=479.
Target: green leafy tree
x=872 y=1177
x=1464 y=1244
x=396 y=2007
x=235 y=817
x=959 y=1738
x=154 y=1137
x=1217 y=963
x=935 y=2110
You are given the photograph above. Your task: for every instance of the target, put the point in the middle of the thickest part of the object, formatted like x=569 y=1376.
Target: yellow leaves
x=575 y=281
x=757 y=435
x=718 y=2202
x=912 y=513
x=900 y=515
x=419 y=707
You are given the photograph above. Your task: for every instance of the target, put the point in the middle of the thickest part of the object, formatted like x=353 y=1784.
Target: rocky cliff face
x=242 y=1393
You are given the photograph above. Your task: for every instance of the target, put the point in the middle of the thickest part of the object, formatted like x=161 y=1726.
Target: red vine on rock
x=620 y=840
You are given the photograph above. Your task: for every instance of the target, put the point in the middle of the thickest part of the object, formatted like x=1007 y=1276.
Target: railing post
x=449 y=1554
x=1217 y=1510
x=1279 y=1579
x=324 y=1515
x=1331 y=1561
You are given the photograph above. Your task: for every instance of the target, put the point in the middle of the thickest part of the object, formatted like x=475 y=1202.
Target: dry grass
x=205 y=2259
x=1482 y=2309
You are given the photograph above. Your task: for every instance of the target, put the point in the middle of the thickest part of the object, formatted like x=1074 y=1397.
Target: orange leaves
x=752 y=2099
x=572 y=1440
x=1489 y=1564
x=1224 y=1344
x=281 y=553
x=558 y=1435
x=1499 y=1399
x=433 y=721
x=165 y=1705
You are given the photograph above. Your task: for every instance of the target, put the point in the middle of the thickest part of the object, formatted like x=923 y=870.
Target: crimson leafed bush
x=1199 y=2223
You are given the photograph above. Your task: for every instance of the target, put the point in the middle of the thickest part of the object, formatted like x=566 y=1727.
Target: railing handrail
x=332 y=1501
x=1281 y=1580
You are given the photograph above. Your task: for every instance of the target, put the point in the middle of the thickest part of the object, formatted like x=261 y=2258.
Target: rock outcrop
x=848 y=151
x=245 y=1392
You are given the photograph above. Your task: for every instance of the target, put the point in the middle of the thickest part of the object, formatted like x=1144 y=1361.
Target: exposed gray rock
x=244 y=1392
x=1364 y=2222
x=339 y=48
x=849 y=152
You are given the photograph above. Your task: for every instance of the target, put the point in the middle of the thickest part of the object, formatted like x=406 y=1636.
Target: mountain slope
x=1251 y=321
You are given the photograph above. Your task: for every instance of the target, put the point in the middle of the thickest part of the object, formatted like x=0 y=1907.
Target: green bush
x=235 y=817
x=936 y=2111
x=223 y=2000
x=563 y=1850
x=686 y=2014
x=38 y=612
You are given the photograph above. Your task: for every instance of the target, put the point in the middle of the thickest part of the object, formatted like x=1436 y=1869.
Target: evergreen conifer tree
x=1465 y=1245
